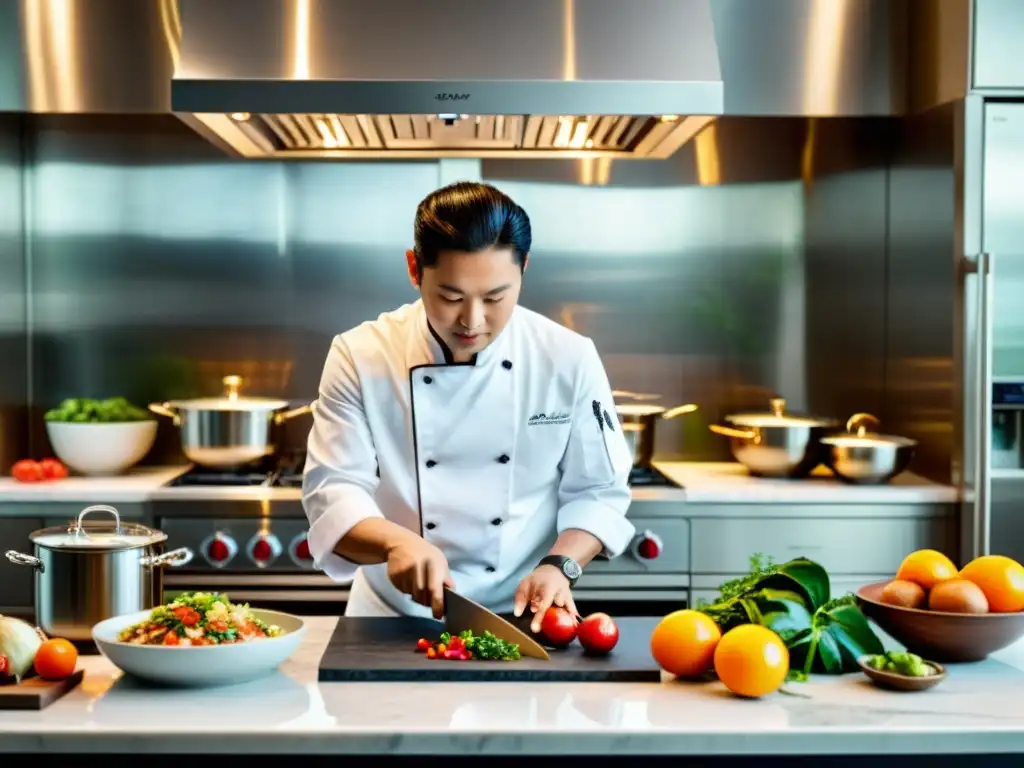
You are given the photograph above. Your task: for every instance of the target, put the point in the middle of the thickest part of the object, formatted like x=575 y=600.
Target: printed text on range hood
x=481 y=78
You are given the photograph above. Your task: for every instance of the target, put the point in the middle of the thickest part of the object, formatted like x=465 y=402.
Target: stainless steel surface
x=998 y=27
x=77 y=587
x=639 y=424
x=861 y=456
x=938 y=65
x=14 y=381
x=462 y=614
x=230 y=431
x=776 y=444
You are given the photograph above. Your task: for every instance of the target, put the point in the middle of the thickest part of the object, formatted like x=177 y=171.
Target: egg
x=905 y=594
x=957 y=596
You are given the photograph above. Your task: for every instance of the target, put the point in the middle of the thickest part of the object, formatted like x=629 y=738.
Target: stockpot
x=776 y=444
x=639 y=421
x=229 y=431
x=91 y=571
x=863 y=457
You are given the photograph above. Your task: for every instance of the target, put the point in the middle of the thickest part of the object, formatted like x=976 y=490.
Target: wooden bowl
x=948 y=637
x=897 y=682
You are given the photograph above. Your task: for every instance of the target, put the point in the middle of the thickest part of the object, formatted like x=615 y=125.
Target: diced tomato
x=187 y=616
x=441 y=647
x=171 y=638
x=457 y=643
x=218 y=626
x=431 y=653
x=5 y=665
x=27 y=471
x=53 y=469
x=422 y=644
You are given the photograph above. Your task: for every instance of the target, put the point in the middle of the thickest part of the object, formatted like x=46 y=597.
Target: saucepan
x=229 y=431
x=639 y=419
x=777 y=444
x=863 y=457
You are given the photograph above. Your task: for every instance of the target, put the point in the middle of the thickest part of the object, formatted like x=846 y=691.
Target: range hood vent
x=299 y=79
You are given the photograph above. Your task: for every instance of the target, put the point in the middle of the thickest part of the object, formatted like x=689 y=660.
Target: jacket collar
x=441 y=354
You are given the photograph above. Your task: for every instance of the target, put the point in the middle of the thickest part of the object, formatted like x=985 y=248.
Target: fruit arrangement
x=928 y=580
x=25 y=650
x=32 y=471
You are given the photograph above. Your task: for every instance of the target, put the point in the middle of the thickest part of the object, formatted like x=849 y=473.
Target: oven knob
x=300 y=553
x=264 y=549
x=220 y=550
x=649 y=546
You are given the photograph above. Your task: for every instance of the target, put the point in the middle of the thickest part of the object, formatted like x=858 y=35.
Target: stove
x=650 y=477
x=282 y=472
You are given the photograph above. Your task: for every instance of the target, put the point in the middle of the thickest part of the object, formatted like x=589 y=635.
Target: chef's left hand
x=543 y=587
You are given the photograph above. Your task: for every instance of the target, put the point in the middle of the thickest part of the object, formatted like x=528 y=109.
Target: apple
x=598 y=633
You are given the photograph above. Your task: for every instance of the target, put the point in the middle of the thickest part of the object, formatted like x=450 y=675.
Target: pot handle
x=164 y=409
x=19 y=559
x=679 y=410
x=743 y=434
x=860 y=423
x=175 y=558
x=283 y=417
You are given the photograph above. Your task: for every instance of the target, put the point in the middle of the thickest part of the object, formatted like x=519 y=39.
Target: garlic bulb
x=19 y=642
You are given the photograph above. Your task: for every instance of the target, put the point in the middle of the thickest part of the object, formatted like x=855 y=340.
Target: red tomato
x=53 y=469
x=558 y=626
x=27 y=471
x=598 y=633
x=55 y=659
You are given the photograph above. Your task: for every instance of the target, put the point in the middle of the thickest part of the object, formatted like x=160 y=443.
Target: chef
x=462 y=439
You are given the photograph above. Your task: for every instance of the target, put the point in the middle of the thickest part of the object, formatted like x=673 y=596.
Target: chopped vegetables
x=199 y=618
x=466 y=646
x=86 y=410
x=902 y=663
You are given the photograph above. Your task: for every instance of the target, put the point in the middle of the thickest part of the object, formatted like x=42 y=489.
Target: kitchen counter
x=978 y=709
x=703 y=482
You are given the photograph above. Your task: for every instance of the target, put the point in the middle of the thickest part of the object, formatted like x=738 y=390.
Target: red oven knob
x=302 y=550
x=299 y=551
x=649 y=546
x=219 y=550
x=264 y=549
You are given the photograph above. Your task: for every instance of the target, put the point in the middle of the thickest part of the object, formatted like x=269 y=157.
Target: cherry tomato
x=53 y=469
x=27 y=471
x=598 y=633
x=56 y=659
x=171 y=638
x=558 y=626
x=422 y=644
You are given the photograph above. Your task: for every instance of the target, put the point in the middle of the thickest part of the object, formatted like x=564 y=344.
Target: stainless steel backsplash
x=722 y=276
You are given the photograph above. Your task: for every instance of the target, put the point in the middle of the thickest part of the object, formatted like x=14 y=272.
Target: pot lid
x=96 y=535
x=778 y=417
x=231 y=400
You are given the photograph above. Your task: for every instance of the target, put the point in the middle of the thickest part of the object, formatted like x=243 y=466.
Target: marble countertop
x=702 y=482
x=979 y=708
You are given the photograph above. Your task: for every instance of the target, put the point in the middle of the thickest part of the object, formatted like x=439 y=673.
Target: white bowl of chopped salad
x=199 y=639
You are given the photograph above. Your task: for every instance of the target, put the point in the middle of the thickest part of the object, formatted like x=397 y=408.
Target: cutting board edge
x=488 y=676
x=9 y=701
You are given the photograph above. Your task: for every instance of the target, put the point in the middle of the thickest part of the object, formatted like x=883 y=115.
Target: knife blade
x=461 y=613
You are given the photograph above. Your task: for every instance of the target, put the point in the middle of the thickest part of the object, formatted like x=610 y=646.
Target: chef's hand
x=418 y=568
x=543 y=587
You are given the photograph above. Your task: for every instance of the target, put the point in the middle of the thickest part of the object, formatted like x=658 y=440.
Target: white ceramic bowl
x=199 y=666
x=101 y=449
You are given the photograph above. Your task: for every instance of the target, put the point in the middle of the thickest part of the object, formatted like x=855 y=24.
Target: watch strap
x=569 y=567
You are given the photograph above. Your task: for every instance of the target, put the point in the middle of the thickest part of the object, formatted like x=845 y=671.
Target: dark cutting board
x=384 y=650
x=37 y=693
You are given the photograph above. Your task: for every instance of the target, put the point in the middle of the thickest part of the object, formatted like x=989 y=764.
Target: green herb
x=85 y=410
x=486 y=646
x=823 y=634
x=902 y=663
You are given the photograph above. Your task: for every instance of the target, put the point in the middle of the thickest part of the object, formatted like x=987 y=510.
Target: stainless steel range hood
x=447 y=78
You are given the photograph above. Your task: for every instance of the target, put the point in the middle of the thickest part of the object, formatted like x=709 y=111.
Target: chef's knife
x=461 y=613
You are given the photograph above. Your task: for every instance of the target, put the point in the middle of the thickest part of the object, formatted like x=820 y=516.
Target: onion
x=19 y=642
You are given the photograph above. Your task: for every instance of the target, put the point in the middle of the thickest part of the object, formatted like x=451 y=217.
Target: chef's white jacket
x=489 y=460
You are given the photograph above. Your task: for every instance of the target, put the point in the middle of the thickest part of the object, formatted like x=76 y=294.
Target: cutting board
x=37 y=693
x=384 y=650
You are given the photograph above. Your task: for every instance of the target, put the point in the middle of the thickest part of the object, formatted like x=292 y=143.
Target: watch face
x=571 y=569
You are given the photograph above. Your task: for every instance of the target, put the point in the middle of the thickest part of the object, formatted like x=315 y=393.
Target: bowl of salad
x=100 y=437
x=198 y=640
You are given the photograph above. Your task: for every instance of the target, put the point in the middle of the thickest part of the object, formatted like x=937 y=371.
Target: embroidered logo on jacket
x=548 y=419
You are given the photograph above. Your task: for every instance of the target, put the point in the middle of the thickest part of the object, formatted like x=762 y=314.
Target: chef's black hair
x=469 y=216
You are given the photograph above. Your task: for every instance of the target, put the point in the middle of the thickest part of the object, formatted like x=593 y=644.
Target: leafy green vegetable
x=823 y=634
x=85 y=410
x=486 y=646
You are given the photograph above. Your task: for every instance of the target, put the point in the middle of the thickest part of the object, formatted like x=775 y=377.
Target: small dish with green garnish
x=901 y=671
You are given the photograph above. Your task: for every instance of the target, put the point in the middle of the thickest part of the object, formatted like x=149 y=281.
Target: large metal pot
x=90 y=571
x=863 y=457
x=230 y=431
x=639 y=420
x=776 y=444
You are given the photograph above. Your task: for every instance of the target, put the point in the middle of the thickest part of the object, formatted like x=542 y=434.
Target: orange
x=1001 y=578
x=751 y=660
x=684 y=643
x=926 y=568
x=55 y=659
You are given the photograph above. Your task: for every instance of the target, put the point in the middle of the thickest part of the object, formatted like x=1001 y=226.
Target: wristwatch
x=569 y=567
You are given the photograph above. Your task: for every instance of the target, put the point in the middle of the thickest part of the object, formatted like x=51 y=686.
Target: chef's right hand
x=418 y=568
